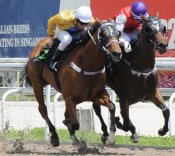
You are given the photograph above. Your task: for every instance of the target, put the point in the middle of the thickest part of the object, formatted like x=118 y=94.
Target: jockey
x=66 y=22
x=129 y=21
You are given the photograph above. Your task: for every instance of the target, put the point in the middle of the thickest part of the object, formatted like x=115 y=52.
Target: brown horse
x=135 y=78
x=81 y=76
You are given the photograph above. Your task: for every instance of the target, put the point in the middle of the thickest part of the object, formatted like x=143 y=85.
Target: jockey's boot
x=53 y=65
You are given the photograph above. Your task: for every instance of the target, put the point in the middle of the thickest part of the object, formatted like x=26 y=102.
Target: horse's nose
x=163 y=47
x=116 y=56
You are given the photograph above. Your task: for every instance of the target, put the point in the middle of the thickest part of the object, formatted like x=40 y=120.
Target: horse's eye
x=104 y=33
x=148 y=30
x=164 y=31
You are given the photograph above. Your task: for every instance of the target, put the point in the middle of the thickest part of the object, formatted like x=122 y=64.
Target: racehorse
x=135 y=78
x=81 y=76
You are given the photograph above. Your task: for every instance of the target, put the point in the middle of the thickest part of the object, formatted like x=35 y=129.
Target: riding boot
x=55 y=60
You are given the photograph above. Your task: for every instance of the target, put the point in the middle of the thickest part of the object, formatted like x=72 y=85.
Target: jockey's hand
x=50 y=41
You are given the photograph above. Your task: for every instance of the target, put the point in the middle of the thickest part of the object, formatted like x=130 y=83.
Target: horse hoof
x=161 y=132
x=110 y=139
x=134 y=138
x=110 y=143
x=55 y=141
x=103 y=139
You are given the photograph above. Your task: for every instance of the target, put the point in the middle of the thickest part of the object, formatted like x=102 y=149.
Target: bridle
x=151 y=27
x=105 y=31
x=109 y=30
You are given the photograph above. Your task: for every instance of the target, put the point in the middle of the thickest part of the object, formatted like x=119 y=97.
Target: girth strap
x=79 y=70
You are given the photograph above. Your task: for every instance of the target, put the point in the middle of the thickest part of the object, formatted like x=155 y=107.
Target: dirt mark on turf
x=22 y=148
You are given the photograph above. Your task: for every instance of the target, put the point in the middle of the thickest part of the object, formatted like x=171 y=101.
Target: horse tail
x=28 y=81
x=25 y=76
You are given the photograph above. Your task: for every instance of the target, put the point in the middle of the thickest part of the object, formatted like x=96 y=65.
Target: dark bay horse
x=81 y=77
x=135 y=77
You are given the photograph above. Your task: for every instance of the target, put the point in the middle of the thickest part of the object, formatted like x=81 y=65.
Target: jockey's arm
x=120 y=21
x=51 y=27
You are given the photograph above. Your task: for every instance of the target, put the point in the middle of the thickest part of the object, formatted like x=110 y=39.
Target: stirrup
x=53 y=66
x=36 y=59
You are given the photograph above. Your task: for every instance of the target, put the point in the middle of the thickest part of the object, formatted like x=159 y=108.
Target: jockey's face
x=138 y=20
x=81 y=25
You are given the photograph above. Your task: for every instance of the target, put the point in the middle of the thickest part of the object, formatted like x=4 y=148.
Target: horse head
x=107 y=38
x=156 y=33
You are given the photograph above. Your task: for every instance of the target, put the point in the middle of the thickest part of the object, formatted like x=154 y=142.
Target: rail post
x=171 y=112
x=11 y=91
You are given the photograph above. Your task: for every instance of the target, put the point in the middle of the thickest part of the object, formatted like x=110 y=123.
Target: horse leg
x=97 y=110
x=105 y=101
x=159 y=102
x=73 y=136
x=38 y=91
x=71 y=119
x=127 y=124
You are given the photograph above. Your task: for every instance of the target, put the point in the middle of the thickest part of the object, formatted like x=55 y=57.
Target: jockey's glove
x=127 y=47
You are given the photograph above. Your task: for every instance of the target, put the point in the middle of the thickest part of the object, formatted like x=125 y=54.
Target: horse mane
x=94 y=26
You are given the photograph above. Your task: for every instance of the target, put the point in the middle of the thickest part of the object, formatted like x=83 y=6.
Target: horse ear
x=98 y=20
x=157 y=14
x=109 y=20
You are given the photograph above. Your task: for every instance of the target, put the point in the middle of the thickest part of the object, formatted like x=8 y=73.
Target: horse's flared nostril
x=116 y=56
x=162 y=47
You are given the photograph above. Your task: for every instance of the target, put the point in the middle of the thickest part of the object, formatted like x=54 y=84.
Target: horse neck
x=144 y=54
x=92 y=57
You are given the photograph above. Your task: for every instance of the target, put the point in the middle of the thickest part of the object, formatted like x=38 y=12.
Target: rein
x=79 y=70
x=145 y=73
x=151 y=27
x=101 y=45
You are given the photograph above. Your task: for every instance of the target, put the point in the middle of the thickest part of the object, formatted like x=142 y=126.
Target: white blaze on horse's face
x=156 y=25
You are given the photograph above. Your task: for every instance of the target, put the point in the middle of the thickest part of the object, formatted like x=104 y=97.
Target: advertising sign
x=23 y=24
x=108 y=9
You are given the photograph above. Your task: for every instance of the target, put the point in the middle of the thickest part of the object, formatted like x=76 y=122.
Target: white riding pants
x=64 y=37
x=125 y=37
